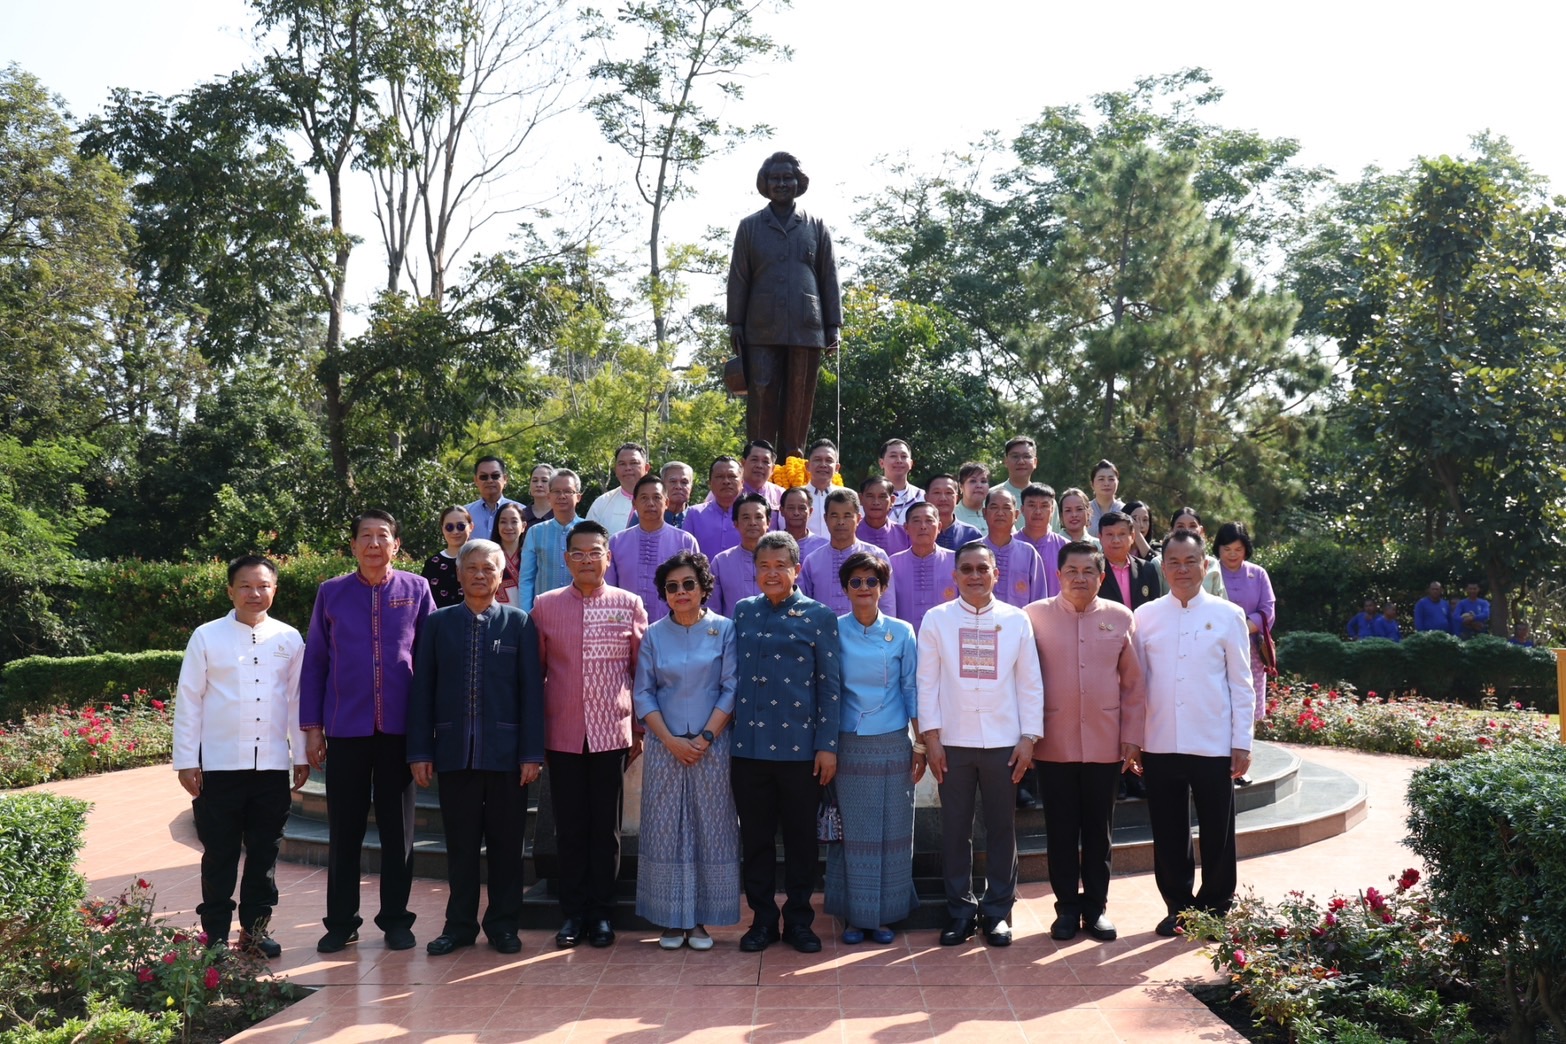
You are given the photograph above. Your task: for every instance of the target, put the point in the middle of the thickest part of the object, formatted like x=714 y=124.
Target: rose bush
x=135 y=729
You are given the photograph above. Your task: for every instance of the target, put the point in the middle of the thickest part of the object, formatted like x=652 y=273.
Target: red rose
x=211 y=979
x=1280 y=932
x=1409 y=879
x=144 y=975
x=1240 y=959
x=170 y=958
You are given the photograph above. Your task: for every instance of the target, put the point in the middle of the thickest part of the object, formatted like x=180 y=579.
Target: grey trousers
x=970 y=771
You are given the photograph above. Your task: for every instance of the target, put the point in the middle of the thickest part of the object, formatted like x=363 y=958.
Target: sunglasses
x=676 y=586
x=456 y=527
x=856 y=582
x=974 y=570
x=489 y=476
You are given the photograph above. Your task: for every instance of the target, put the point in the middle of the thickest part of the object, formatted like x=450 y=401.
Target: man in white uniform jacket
x=238 y=751
x=1196 y=657
x=981 y=709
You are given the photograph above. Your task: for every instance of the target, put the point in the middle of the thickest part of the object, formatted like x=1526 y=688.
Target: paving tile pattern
x=1132 y=989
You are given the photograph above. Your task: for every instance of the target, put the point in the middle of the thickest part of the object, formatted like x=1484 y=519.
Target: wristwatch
x=707 y=735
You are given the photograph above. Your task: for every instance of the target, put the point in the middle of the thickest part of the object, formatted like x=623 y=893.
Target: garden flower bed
x=134 y=730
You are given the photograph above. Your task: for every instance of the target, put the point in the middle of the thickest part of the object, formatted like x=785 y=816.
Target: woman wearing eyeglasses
x=869 y=876
x=440 y=569
x=688 y=869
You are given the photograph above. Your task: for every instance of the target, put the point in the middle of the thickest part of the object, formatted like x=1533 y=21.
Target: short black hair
x=1115 y=518
x=487 y=459
x=755 y=444
x=375 y=515
x=877 y=480
x=748 y=498
x=889 y=443
x=589 y=527
x=804 y=491
x=1034 y=490
x=1231 y=532
x=1078 y=547
x=1185 y=536
x=685 y=558
x=864 y=560
x=648 y=479
x=249 y=561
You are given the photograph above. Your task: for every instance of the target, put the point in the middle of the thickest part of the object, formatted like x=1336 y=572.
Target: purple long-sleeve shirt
x=712 y=527
x=358 y=658
x=1250 y=588
x=891 y=538
x=634 y=558
x=819 y=579
x=1020 y=572
x=921 y=584
x=734 y=579
x=1048 y=546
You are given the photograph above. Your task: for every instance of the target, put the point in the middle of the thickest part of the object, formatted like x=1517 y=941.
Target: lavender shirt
x=1021 y=572
x=634 y=558
x=734 y=578
x=1250 y=588
x=818 y=578
x=712 y=527
x=892 y=539
x=358 y=657
x=921 y=584
x=1048 y=546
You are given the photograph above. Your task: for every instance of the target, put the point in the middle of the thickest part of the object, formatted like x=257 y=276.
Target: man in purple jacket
x=353 y=703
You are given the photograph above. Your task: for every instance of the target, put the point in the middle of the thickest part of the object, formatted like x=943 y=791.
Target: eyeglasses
x=856 y=582
x=676 y=586
x=596 y=555
x=456 y=527
x=489 y=476
x=974 y=570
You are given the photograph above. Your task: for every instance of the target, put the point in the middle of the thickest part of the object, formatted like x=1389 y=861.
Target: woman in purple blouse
x=1248 y=586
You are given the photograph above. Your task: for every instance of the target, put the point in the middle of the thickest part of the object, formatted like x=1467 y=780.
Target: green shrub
x=1321 y=582
x=1492 y=831
x=1436 y=666
x=40 y=682
x=40 y=836
x=106 y=1022
x=135 y=605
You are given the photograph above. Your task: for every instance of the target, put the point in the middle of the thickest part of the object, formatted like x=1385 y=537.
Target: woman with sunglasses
x=869 y=876
x=688 y=866
x=456 y=525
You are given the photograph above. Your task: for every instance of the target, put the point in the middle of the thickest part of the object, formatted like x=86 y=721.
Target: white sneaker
x=699 y=939
x=671 y=939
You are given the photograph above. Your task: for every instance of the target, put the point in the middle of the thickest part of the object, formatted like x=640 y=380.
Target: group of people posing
x=774 y=652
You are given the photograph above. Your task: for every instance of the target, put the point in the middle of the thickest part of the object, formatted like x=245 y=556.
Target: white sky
x=1357 y=83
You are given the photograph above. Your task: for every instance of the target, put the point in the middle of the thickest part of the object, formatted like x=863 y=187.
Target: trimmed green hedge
x=40 y=682
x=1435 y=665
x=133 y=605
x=1492 y=831
x=1320 y=583
x=40 y=836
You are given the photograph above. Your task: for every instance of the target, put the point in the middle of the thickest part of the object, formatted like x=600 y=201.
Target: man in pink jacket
x=1094 y=711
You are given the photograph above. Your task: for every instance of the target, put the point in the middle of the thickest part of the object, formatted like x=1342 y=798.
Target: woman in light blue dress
x=869 y=876
x=688 y=867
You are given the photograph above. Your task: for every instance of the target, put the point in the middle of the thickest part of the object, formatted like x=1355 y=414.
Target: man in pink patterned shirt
x=588 y=637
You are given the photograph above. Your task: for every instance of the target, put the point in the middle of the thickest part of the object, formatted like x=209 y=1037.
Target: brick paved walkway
x=633 y=993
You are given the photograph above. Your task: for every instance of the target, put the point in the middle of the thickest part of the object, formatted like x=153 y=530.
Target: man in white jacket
x=238 y=751
x=981 y=709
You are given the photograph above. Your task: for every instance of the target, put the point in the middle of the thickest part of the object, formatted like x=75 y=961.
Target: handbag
x=1267 y=649
x=829 y=818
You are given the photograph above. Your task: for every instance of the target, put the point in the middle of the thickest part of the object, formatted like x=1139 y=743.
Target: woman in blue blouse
x=688 y=869
x=869 y=876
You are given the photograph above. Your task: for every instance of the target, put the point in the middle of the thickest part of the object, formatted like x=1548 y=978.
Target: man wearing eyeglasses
x=1195 y=651
x=589 y=634
x=636 y=553
x=490 y=476
x=981 y=708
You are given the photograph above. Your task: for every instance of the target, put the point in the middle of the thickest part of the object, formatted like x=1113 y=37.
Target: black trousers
x=362 y=771
x=488 y=809
x=587 y=791
x=767 y=795
x=1174 y=783
x=971 y=773
x=243 y=809
x=1079 y=811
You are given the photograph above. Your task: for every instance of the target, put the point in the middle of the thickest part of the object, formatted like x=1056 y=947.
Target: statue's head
x=788 y=159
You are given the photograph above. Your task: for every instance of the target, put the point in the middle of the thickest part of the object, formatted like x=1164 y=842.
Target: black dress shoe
x=1065 y=926
x=443 y=944
x=1025 y=798
x=758 y=938
x=803 y=939
x=1170 y=927
x=959 y=931
x=1135 y=786
x=259 y=943
x=335 y=940
x=570 y=933
x=400 y=939
x=601 y=933
x=997 y=932
x=506 y=942
x=1100 y=928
